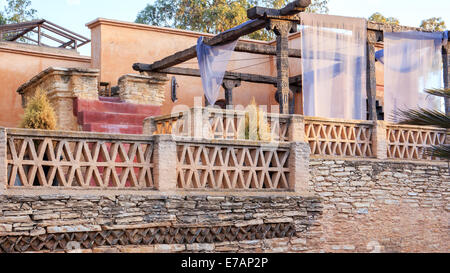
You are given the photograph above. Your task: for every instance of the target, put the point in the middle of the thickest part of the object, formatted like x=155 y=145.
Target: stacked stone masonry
x=383 y=206
x=158 y=223
x=354 y=206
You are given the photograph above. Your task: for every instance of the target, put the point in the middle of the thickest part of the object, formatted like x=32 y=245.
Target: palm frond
x=423 y=117
x=442 y=151
x=442 y=92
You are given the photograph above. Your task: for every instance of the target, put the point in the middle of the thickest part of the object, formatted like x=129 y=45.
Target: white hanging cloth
x=334 y=66
x=412 y=63
x=213 y=62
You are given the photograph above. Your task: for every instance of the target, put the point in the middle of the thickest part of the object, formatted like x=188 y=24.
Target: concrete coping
x=337 y=120
x=414 y=127
x=226 y=113
x=141 y=138
x=76 y=135
x=233 y=142
x=58 y=70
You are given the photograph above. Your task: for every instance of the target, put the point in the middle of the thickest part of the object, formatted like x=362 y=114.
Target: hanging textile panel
x=213 y=62
x=412 y=63
x=334 y=66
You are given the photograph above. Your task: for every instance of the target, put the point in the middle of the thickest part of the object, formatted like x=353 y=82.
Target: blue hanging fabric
x=213 y=62
x=412 y=63
x=379 y=56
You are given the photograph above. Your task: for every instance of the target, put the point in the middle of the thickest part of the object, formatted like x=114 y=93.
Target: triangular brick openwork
x=202 y=166
x=412 y=143
x=79 y=163
x=328 y=138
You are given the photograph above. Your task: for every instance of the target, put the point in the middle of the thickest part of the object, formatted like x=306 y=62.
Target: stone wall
x=355 y=206
x=385 y=206
x=139 y=89
x=62 y=85
x=159 y=223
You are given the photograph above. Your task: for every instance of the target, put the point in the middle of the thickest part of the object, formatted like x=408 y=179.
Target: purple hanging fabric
x=213 y=62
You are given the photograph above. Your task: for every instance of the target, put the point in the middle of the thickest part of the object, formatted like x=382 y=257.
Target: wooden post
x=282 y=29
x=229 y=85
x=296 y=106
x=371 y=81
x=39 y=35
x=446 y=61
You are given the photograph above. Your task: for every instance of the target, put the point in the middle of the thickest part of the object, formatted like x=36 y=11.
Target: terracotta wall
x=18 y=64
x=117 y=45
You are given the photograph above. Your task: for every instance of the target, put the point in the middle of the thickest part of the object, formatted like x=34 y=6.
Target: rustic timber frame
x=282 y=22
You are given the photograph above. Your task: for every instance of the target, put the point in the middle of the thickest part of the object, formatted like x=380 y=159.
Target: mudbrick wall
x=353 y=206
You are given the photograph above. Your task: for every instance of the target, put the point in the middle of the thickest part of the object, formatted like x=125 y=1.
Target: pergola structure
x=41 y=29
x=281 y=22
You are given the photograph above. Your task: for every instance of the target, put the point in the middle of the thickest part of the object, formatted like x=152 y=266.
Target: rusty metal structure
x=39 y=31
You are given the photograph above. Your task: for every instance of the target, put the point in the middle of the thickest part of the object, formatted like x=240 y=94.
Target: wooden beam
x=59 y=32
x=64 y=45
x=246 y=47
x=264 y=49
x=49 y=37
x=78 y=36
x=296 y=80
x=286 y=13
x=222 y=38
x=21 y=25
x=12 y=39
x=295 y=7
x=228 y=75
x=33 y=40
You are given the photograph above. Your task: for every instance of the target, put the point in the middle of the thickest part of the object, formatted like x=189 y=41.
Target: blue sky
x=74 y=14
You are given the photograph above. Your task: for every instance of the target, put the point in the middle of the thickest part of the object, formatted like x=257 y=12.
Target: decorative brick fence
x=90 y=161
x=326 y=137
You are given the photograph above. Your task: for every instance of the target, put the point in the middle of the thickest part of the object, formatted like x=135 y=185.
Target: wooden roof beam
x=286 y=13
x=21 y=26
x=190 y=53
x=49 y=37
x=228 y=75
x=12 y=39
x=264 y=49
x=79 y=37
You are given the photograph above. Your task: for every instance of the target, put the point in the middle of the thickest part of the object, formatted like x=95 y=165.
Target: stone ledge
x=60 y=71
